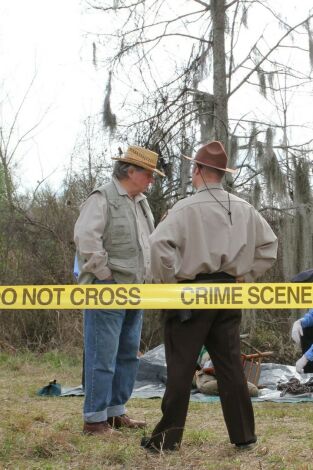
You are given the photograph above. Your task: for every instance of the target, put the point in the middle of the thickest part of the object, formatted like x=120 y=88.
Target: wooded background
x=178 y=76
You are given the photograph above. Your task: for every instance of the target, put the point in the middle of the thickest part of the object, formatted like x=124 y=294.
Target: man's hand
x=297 y=331
x=301 y=363
x=240 y=279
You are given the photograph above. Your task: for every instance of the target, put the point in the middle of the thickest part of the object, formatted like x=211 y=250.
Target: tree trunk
x=219 y=75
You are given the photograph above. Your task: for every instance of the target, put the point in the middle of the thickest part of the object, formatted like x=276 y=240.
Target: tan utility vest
x=120 y=237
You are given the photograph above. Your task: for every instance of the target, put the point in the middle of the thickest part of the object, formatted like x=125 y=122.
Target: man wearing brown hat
x=111 y=237
x=212 y=236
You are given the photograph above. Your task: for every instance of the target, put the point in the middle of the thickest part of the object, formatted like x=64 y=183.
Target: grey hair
x=120 y=169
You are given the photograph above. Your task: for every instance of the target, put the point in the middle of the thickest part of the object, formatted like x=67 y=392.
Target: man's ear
x=197 y=170
x=131 y=171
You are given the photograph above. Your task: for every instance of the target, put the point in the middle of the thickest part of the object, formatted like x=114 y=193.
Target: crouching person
x=302 y=333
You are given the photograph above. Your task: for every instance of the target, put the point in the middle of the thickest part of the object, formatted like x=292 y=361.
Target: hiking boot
x=246 y=445
x=124 y=421
x=99 y=429
x=148 y=444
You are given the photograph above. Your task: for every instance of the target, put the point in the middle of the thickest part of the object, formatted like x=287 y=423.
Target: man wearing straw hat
x=111 y=236
x=212 y=236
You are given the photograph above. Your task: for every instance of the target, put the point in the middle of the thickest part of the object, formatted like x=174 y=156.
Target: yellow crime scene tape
x=158 y=296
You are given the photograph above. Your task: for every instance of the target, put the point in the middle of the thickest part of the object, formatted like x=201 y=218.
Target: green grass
x=45 y=433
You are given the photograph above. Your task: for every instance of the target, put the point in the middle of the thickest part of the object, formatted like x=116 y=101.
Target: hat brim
x=135 y=162
x=229 y=170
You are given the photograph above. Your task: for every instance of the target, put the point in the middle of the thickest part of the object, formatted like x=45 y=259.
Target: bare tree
x=195 y=93
x=216 y=69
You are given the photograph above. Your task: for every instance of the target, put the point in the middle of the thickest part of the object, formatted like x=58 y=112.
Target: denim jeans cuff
x=116 y=410
x=96 y=417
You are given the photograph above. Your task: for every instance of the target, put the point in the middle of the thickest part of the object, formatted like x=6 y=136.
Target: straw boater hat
x=212 y=155
x=140 y=157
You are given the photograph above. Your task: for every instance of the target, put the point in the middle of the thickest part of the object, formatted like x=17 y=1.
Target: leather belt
x=211 y=277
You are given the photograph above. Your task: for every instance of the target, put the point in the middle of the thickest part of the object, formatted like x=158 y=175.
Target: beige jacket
x=89 y=236
x=197 y=236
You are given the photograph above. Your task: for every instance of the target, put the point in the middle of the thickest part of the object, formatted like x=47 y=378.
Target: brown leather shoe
x=125 y=422
x=98 y=429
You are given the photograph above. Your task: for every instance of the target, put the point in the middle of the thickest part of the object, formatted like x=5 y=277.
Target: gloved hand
x=301 y=363
x=297 y=331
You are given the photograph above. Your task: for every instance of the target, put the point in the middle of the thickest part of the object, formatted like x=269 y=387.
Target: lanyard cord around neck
x=224 y=207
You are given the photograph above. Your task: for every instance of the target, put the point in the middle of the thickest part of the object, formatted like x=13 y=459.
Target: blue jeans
x=112 y=339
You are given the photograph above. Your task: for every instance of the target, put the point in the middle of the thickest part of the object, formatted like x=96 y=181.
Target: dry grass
x=45 y=433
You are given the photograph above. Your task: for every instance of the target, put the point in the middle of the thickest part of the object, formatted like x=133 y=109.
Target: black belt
x=186 y=314
x=211 y=277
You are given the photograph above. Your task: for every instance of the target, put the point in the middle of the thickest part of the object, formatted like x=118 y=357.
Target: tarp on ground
x=151 y=380
x=152 y=374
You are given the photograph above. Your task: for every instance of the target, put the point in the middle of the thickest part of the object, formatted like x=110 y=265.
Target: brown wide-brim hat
x=212 y=155
x=142 y=157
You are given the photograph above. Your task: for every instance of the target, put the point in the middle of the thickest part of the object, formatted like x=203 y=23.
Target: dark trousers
x=306 y=343
x=218 y=330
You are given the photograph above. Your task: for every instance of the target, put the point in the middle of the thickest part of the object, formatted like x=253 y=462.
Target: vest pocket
x=120 y=233
x=117 y=264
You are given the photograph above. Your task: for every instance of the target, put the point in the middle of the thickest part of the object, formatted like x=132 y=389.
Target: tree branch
x=157 y=38
x=231 y=3
x=162 y=22
x=268 y=54
x=115 y=8
x=206 y=5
